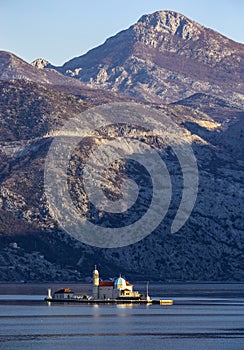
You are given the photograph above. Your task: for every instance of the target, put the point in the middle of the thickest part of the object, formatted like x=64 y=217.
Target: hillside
x=208 y=247
x=192 y=78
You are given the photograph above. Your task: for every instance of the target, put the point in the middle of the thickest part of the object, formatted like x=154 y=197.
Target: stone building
x=64 y=293
x=117 y=289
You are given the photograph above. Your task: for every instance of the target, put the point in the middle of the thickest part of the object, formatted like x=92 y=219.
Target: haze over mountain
x=165 y=57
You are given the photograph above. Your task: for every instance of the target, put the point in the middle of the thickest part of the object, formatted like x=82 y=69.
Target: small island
x=113 y=291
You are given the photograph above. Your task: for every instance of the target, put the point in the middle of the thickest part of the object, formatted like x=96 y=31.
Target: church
x=118 y=289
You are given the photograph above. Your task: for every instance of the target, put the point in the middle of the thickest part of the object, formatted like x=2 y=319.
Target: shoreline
x=156 y=290
x=136 y=282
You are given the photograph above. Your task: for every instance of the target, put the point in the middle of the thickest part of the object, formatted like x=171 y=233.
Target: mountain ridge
x=13 y=67
x=162 y=58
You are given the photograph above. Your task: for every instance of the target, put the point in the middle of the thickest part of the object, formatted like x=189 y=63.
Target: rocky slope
x=14 y=68
x=209 y=246
x=219 y=109
x=164 y=57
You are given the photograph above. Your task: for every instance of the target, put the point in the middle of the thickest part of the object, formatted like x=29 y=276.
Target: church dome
x=120 y=283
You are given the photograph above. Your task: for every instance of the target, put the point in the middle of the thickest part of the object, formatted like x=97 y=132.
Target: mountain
x=164 y=57
x=13 y=68
x=208 y=247
x=30 y=115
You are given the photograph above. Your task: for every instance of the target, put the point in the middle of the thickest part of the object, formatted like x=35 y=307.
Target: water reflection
x=202 y=321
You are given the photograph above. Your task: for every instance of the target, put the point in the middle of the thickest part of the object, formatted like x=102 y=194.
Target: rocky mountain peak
x=170 y=22
x=41 y=63
x=164 y=57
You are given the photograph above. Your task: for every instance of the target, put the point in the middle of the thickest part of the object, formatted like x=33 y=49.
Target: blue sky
x=59 y=30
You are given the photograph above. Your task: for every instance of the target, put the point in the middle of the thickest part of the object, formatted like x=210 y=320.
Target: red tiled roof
x=110 y=284
x=64 y=290
x=106 y=284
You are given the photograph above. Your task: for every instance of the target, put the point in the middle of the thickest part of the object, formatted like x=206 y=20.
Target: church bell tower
x=95 y=288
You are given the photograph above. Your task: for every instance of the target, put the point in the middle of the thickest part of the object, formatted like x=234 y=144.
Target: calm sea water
x=203 y=317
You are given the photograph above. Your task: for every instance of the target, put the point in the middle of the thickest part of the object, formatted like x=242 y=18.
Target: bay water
x=203 y=317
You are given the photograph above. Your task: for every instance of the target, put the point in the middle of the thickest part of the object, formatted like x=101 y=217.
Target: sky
x=59 y=30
